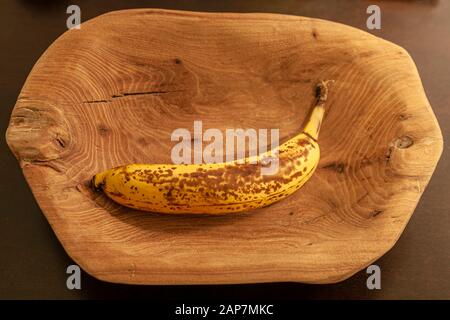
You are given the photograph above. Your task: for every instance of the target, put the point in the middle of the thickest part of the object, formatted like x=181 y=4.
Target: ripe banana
x=218 y=188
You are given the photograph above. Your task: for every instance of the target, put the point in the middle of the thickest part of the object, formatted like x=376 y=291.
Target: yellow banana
x=218 y=188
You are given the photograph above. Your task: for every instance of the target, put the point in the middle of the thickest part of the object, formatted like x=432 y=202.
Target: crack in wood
x=126 y=94
x=61 y=142
x=338 y=167
x=375 y=213
x=389 y=154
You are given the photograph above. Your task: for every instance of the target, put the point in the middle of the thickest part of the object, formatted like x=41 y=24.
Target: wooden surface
x=112 y=92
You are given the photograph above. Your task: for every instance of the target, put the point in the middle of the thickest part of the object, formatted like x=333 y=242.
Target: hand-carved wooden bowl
x=112 y=92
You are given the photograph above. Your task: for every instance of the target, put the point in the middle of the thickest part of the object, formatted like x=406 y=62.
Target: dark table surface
x=32 y=261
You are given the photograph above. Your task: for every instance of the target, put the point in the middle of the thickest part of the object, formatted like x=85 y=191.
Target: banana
x=219 y=188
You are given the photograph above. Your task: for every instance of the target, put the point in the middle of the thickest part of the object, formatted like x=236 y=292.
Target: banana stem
x=314 y=122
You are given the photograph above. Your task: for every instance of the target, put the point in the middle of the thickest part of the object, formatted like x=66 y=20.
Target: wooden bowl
x=112 y=92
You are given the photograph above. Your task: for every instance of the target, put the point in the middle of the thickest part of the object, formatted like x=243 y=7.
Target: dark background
x=33 y=263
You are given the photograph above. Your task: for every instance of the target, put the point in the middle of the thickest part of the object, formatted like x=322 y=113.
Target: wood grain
x=112 y=92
